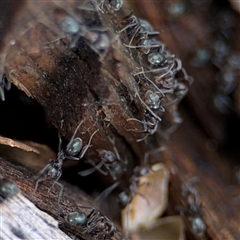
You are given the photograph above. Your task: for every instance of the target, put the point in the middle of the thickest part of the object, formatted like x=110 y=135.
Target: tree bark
x=74 y=80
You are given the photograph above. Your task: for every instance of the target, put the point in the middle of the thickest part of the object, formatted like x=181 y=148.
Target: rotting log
x=73 y=84
x=69 y=98
x=45 y=199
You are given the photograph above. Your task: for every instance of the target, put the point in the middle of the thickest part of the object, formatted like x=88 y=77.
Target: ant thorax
x=93 y=223
x=73 y=151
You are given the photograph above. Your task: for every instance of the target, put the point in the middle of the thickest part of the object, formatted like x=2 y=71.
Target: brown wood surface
x=72 y=85
x=46 y=200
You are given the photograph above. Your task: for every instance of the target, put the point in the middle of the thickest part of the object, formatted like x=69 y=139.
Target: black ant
x=111 y=161
x=106 y=6
x=73 y=151
x=8 y=189
x=93 y=223
x=191 y=209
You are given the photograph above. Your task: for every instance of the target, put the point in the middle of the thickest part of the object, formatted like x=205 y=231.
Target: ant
x=139 y=32
x=110 y=161
x=73 y=151
x=106 y=6
x=8 y=189
x=192 y=209
x=93 y=223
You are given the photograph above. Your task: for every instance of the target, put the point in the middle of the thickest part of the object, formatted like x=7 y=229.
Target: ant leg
x=40 y=174
x=141 y=46
x=117 y=154
x=91 y=170
x=37 y=183
x=98 y=167
x=106 y=192
x=115 y=149
x=141 y=139
x=157 y=88
x=2 y=95
x=60 y=143
x=142 y=122
x=146 y=155
x=61 y=191
x=88 y=145
x=73 y=136
x=138 y=29
x=149 y=109
x=6 y=82
x=152 y=70
x=59 y=184
x=135 y=119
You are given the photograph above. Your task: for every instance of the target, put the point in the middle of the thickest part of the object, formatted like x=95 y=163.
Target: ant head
x=155 y=58
x=74 y=147
x=152 y=99
x=197 y=225
x=70 y=25
x=115 y=5
x=106 y=155
x=123 y=199
x=76 y=218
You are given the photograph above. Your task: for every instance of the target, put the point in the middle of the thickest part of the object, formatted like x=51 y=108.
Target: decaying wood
x=75 y=84
x=46 y=199
x=22 y=220
x=17 y=144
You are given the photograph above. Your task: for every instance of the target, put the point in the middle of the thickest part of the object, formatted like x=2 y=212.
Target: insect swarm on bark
x=109 y=65
x=82 y=64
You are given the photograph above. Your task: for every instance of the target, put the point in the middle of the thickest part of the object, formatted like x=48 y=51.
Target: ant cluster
x=161 y=80
x=221 y=54
x=94 y=223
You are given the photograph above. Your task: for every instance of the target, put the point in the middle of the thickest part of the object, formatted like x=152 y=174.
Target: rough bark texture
x=83 y=83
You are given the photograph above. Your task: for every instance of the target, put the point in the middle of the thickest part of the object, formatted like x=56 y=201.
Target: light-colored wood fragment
x=21 y=219
x=149 y=201
x=17 y=144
